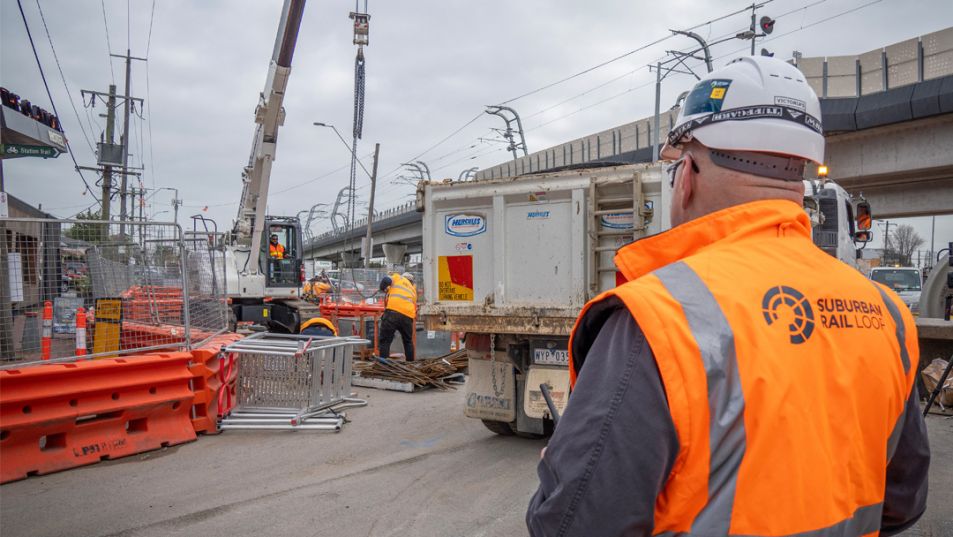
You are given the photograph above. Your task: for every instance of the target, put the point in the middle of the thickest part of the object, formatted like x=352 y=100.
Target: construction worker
x=400 y=313
x=275 y=249
x=318 y=326
x=742 y=381
x=317 y=285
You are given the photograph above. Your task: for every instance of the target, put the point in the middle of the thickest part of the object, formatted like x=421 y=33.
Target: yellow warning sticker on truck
x=455 y=278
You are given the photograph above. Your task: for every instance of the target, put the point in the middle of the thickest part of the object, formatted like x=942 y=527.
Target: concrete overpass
x=888 y=119
x=398 y=225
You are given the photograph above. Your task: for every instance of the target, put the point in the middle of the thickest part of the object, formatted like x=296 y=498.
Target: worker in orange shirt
x=742 y=381
x=275 y=249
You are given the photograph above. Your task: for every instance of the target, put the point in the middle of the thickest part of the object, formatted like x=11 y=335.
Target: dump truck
x=511 y=261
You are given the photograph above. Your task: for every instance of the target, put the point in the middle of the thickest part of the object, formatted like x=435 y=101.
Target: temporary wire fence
x=79 y=289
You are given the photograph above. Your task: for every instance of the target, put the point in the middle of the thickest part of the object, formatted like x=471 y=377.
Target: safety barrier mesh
x=140 y=286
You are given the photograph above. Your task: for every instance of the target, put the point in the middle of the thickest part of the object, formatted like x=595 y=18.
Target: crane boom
x=269 y=115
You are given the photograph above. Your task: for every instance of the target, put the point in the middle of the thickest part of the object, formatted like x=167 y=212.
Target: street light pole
x=343 y=141
x=658 y=103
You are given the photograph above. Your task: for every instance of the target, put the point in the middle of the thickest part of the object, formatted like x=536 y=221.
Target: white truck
x=512 y=261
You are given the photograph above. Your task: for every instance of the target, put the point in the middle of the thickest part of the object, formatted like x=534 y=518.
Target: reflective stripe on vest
x=768 y=372
x=865 y=520
x=402 y=289
x=319 y=321
x=726 y=401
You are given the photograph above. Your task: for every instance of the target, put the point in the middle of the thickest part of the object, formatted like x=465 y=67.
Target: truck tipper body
x=512 y=261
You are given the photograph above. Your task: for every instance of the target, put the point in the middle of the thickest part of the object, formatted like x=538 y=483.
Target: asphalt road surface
x=408 y=465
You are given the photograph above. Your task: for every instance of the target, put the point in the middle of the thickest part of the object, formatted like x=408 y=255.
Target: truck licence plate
x=548 y=356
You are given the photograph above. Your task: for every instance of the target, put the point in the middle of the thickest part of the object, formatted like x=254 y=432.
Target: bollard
x=80 y=332
x=46 y=345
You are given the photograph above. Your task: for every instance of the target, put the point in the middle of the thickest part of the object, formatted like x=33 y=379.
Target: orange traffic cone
x=46 y=344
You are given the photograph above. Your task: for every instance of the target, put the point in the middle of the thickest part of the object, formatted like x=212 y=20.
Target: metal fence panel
x=140 y=285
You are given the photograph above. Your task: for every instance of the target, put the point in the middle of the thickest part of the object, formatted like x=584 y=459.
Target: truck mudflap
x=557 y=378
x=491 y=391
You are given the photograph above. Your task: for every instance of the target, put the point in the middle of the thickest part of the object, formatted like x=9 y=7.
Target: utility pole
x=370 y=209
x=123 y=189
x=107 y=169
x=887 y=242
x=932 y=236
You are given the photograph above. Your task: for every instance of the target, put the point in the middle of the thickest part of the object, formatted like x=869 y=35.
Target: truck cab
x=840 y=223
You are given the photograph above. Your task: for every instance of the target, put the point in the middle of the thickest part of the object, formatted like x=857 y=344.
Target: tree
x=904 y=241
x=95 y=233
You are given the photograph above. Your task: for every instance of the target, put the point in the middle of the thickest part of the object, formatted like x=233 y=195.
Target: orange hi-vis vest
x=320 y=321
x=786 y=374
x=276 y=251
x=401 y=296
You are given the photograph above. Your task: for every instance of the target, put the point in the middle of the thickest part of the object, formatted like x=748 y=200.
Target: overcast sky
x=431 y=67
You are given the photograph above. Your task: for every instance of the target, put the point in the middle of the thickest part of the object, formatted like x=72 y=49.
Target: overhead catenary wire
x=626 y=55
x=573 y=76
x=49 y=95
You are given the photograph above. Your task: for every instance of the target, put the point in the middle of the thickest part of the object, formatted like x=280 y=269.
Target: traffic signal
x=767 y=24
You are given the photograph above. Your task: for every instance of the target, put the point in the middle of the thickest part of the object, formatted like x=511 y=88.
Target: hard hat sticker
x=707 y=97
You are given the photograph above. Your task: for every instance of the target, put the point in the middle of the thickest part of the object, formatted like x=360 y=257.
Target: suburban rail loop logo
x=800 y=315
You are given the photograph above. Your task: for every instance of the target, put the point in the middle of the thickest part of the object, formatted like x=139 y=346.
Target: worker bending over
x=400 y=313
x=318 y=326
x=717 y=392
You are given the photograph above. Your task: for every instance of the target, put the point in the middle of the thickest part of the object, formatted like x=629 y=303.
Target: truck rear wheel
x=499 y=427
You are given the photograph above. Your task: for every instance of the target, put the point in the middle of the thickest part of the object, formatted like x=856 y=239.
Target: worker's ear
x=685 y=186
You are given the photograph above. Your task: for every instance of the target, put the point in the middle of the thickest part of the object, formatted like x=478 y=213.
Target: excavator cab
x=282 y=252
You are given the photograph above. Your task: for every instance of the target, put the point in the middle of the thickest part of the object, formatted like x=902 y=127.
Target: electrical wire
x=50 y=96
x=625 y=55
x=571 y=77
x=152 y=162
x=109 y=47
x=63 y=77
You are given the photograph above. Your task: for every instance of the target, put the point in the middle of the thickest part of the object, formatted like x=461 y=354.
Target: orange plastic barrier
x=59 y=416
x=210 y=383
x=147 y=303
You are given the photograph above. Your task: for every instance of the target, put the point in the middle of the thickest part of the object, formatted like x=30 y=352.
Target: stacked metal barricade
x=293 y=382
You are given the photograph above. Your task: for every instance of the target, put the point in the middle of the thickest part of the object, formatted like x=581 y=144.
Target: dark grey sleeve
x=614 y=448
x=905 y=498
x=385 y=283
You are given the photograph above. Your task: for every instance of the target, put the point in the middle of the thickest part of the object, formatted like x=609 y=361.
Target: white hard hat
x=408 y=275
x=757 y=104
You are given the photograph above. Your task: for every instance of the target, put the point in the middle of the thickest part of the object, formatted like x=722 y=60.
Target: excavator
x=263 y=288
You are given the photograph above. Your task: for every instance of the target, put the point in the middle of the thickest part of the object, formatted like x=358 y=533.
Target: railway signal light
x=767 y=24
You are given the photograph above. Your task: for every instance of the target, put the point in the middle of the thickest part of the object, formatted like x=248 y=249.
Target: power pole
x=109 y=154
x=110 y=139
x=887 y=242
x=370 y=209
x=123 y=189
